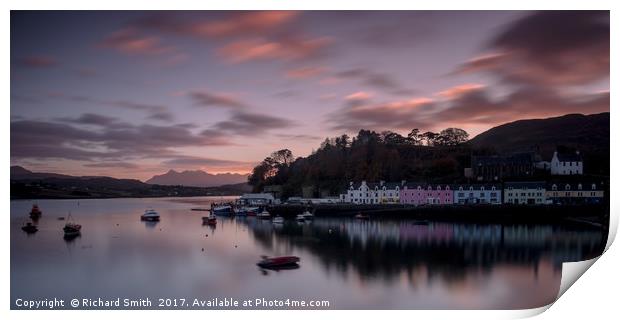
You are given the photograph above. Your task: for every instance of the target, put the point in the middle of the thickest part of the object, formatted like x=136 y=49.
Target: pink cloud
x=240 y=24
x=305 y=72
x=129 y=41
x=459 y=90
x=282 y=49
x=38 y=61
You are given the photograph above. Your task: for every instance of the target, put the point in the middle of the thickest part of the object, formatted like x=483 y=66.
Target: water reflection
x=382 y=250
x=354 y=264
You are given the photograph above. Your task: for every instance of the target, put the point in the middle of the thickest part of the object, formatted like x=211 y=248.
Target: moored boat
x=150 y=215
x=307 y=215
x=300 y=218
x=199 y=209
x=30 y=228
x=72 y=229
x=35 y=212
x=211 y=221
x=362 y=216
x=278 y=262
x=222 y=210
x=278 y=219
x=264 y=215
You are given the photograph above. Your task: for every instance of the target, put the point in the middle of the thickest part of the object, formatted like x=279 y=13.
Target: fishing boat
x=307 y=215
x=278 y=219
x=222 y=210
x=362 y=216
x=300 y=218
x=35 y=212
x=30 y=228
x=246 y=211
x=278 y=262
x=150 y=215
x=264 y=215
x=211 y=221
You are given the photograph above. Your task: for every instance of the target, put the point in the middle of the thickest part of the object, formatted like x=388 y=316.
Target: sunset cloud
x=459 y=90
x=289 y=48
x=210 y=99
x=51 y=140
x=247 y=124
x=38 y=61
x=473 y=106
x=130 y=41
x=549 y=48
x=376 y=80
x=234 y=24
x=304 y=72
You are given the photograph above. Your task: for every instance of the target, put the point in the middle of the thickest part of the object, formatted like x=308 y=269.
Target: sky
x=130 y=94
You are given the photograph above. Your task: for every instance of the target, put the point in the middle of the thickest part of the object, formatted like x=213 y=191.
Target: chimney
x=403 y=182
x=382 y=182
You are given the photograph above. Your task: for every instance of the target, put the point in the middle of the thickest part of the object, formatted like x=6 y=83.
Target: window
x=593 y=186
x=461 y=194
x=554 y=187
x=567 y=187
x=579 y=186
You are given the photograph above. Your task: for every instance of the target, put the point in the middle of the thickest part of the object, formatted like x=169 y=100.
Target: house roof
x=569 y=157
x=574 y=186
x=517 y=158
x=525 y=185
x=477 y=186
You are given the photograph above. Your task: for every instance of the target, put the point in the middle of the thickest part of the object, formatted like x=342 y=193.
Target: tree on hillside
x=452 y=137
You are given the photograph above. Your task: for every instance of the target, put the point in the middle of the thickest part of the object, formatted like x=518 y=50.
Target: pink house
x=421 y=193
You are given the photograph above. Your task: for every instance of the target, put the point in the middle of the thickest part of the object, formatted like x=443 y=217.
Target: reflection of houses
x=495 y=168
x=566 y=163
x=477 y=193
x=574 y=193
x=421 y=193
x=524 y=192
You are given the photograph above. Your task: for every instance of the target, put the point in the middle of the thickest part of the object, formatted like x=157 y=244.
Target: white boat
x=264 y=215
x=278 y=219
x=224 y=210
x=150 y=215
x=300 y=218
x=307 y=215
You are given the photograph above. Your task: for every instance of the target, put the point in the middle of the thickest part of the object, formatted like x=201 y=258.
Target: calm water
x=353 y=264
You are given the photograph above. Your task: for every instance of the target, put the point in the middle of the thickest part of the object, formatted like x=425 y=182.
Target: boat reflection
x=384 y=249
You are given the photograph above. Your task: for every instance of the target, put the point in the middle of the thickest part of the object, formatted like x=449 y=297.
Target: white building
x=361 y=194
x=389 y=193
x=477 y=193
x=257 y=199
x=566 y=164
x=524 y=192
x=372 y=193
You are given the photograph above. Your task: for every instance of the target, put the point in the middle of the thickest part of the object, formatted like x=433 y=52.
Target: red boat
x=362 y=216
x=211 y=221
x=35 y=212
x=278 y=262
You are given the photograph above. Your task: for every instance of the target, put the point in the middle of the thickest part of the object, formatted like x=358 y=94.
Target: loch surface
x=353 y=264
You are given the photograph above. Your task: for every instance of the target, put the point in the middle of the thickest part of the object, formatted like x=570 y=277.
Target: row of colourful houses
x=446 y=194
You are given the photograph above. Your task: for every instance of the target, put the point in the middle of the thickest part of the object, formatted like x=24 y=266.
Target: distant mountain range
x=587 y=133
x=26 y=184
x=197 y=178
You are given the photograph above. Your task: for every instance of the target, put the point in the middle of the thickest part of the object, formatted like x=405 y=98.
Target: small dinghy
x=278 y=220
x=210 y=221
x=278 y=262
x=264 y=215
x=362 y=216
x=150 y=215
x=30 y=228
x=307 y=215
